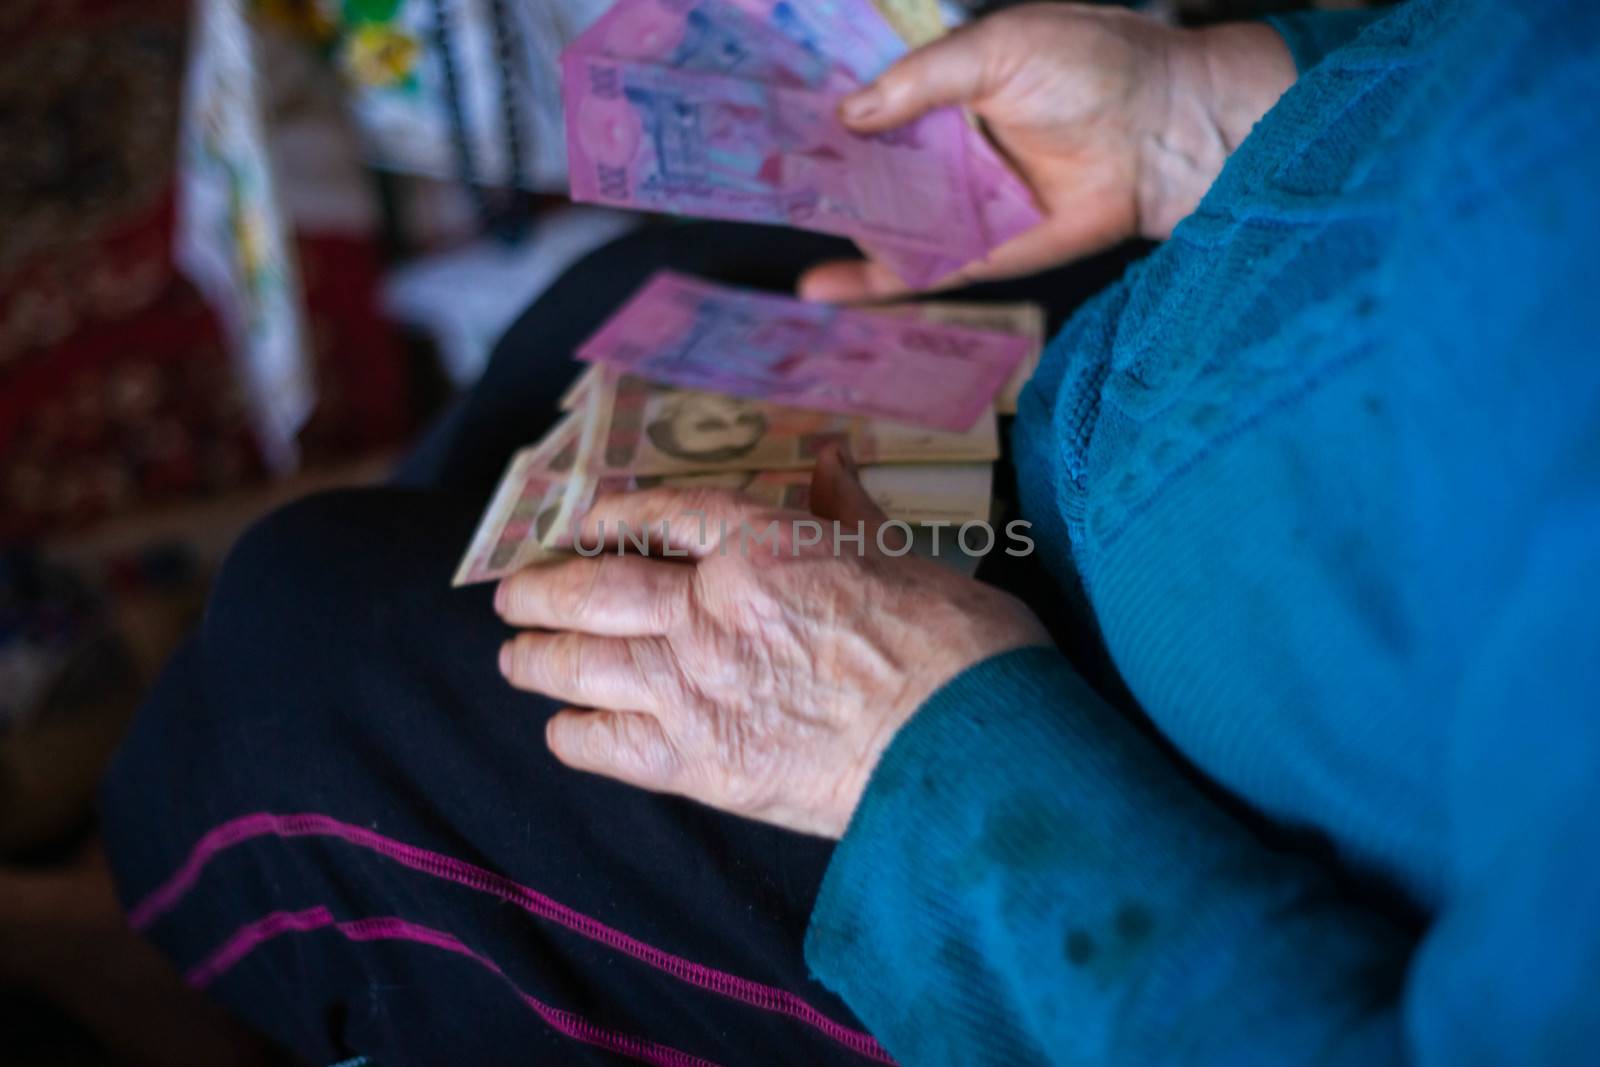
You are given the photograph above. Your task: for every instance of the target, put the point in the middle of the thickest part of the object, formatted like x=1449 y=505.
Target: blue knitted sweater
x=1327 y=465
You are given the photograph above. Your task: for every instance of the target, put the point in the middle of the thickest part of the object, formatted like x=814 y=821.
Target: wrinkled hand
x=759 y=682
x=1118 y=122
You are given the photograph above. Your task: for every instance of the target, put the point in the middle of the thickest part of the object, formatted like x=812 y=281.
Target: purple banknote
x=697 y=335
x=1005 y=210
x=709 y=145
x=728 y=109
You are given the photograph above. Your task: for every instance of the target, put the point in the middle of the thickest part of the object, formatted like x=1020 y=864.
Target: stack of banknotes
x=694 y=384
x=729 y=109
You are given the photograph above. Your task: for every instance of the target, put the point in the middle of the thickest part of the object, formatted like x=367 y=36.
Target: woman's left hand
x=763 y=678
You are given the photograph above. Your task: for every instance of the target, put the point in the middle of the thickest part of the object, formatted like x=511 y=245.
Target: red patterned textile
x=116 y=392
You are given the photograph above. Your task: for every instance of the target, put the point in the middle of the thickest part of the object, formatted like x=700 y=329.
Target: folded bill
x=683 y=331
x=544 y=486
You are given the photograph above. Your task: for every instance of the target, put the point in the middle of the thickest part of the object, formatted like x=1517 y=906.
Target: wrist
x=1247 y=68
x=1218 y=82
x=1010 y=628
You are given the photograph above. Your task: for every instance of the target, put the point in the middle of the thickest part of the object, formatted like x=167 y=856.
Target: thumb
x=837 y=492
x=950 y=71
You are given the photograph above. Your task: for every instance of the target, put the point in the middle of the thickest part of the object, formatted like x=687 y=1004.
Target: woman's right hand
x=1119 y=123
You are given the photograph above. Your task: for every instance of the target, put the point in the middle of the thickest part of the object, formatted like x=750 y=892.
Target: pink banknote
x=727 y=109
x=1005 y=210
x=694 y=334
x=704 y=144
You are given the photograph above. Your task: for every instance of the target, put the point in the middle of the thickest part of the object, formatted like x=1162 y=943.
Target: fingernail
x=502 y=598
x=861 y=106
x=505 y=659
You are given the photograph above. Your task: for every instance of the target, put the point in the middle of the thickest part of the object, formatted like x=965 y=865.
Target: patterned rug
x=116 y=392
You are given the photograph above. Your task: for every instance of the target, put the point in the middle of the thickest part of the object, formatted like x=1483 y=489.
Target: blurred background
x=248 y=249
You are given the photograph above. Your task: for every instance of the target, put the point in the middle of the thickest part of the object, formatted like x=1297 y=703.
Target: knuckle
x=903 y=75
x=648 y=663
x=564 y=663
x=599 y=743
x=660 y=616
x=669 y=604
x=544 y=663
x=571 y=587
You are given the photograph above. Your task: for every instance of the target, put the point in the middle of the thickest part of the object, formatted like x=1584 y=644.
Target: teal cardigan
x=1327 y=465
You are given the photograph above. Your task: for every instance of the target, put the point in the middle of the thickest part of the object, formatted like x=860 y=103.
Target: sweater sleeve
x=1311 y=35
x=1031 y=879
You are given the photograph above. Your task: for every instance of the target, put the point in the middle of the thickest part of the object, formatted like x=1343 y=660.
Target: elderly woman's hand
x=757 y=681
x=1118 y=122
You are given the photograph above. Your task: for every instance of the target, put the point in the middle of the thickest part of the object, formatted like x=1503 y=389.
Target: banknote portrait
x=706 y=427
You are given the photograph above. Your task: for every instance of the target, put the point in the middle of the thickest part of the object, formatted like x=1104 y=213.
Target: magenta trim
x=166 y=896
x=252 y=935
x=247 y=937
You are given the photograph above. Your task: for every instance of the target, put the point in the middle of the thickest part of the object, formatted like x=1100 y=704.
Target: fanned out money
x=729 y=109
x=621 y=432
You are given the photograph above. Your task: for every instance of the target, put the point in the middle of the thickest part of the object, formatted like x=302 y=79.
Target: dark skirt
x=334 y=815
